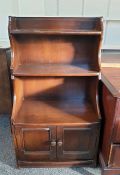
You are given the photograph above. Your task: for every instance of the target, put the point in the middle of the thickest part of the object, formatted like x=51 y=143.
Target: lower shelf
x=56 y=112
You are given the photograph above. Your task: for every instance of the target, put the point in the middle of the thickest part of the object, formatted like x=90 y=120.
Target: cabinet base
x=107 y=170
x=90 y=163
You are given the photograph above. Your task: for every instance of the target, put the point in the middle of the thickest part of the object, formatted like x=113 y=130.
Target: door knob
x=53 y=143
x=59 y=143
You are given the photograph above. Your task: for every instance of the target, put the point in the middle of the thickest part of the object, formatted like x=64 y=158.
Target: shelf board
x=55 y=112
x=54 y=32
x=54 y=70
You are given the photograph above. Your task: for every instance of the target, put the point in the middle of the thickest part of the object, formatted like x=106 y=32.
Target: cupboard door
x=76 y=143
x=35 y=144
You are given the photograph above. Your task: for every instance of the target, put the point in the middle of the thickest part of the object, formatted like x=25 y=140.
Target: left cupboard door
x=35 y=144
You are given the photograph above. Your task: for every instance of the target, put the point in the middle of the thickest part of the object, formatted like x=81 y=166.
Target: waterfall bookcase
x=55 y=70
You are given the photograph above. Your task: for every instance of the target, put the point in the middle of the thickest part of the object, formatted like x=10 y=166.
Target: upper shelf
x=54 y=70
x=55 y=40
x=55 y=32
x=55 y=25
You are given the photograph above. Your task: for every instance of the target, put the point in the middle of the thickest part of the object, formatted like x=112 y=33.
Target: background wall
x=109 y=9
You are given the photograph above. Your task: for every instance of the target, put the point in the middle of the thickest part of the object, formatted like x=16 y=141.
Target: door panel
x=77 y=142
x=75 y=134
x=36 y=144
x=40 y=137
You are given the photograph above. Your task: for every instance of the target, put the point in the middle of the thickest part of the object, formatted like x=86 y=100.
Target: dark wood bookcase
x=55 y=69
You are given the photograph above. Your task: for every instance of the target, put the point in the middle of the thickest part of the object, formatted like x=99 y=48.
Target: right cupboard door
x=75 y=143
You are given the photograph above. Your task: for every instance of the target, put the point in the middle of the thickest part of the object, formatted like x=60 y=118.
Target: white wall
x=109 y=9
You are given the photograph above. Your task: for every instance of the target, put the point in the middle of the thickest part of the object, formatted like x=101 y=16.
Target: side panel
x=109 y=103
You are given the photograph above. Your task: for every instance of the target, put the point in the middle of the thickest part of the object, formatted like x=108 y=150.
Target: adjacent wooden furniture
x=55 y=68
x=5 y=88
x=110 y=146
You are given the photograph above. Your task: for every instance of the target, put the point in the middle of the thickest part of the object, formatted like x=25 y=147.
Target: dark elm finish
x=55 y=68
x=5 y=89
x=75 y=143
x=110 y=143
x=36 y=143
